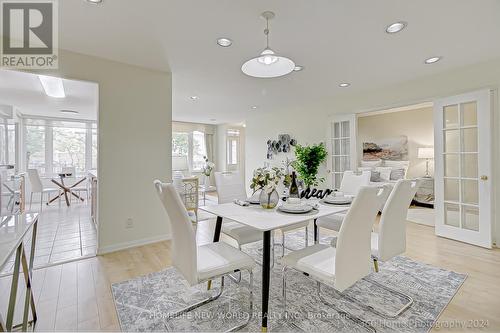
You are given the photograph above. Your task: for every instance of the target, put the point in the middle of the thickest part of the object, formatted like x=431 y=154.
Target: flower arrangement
x=208 y=167
x=267 y=180
x=308 y=161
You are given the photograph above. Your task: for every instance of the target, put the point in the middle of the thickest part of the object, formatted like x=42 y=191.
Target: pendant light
x=268 y=64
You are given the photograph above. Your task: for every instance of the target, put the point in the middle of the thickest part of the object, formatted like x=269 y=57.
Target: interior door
x=462 y=136
x=342 y=148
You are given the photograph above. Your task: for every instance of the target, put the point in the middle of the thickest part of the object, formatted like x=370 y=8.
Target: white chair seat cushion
x=318 y=261
x=241 y=233
x=295 y=226
x=332 y=222
x=374 y=245
x=220 y=258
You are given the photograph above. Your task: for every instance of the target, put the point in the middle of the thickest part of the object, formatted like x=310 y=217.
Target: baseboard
x=130 y=244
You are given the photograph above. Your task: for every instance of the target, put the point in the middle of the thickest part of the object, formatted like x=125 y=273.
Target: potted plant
x=207 y=171
x=267 y=180
x=309 y=158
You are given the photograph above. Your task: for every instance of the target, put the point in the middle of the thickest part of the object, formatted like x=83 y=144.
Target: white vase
x=206 y=181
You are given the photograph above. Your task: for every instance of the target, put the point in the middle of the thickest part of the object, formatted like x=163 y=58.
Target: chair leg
x=391 y=291
x=283 y=290
x=31 y=199
x=197 y=305
x=250 y=306
x=307 y=237
x=41 y=201
x=355 y=319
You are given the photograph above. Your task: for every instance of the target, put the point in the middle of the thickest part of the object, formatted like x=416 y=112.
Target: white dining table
x=267 y=220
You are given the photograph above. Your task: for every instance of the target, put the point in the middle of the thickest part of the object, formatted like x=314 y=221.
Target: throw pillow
x=385 y=173
x=397 y=174
x=375 y=177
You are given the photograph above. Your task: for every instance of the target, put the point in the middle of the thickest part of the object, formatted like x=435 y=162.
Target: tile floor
x=64 y=234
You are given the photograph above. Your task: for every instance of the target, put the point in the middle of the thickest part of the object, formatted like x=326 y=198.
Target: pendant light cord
x=266 y=32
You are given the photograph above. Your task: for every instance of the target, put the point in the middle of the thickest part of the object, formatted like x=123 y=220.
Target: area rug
x=144 y=303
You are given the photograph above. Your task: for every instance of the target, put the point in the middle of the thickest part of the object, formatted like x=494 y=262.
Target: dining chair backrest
x=68 y=170
x=353 y=252
x=184 y=249
x=351 y=182
x=35 y=181
x=230 y=186
x=392 y=227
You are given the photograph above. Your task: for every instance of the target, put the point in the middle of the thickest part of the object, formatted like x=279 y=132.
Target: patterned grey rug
x=144 y=303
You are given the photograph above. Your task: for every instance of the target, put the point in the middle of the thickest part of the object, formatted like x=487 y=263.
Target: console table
x=13 y=229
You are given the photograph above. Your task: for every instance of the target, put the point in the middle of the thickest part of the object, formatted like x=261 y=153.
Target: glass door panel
x=463 y=138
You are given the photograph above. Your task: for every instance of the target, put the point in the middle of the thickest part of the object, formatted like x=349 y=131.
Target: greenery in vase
x=309 y=158
x=208 y=167
x=266 y=179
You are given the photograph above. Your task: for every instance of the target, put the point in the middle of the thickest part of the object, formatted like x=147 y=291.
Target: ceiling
x=336 y=40
x=24 y=91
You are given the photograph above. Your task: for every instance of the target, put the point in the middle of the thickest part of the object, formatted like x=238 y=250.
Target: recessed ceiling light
x=194 y=98
x=432 y=60
x=224 y=42
x=255 y=107
x=396 y=27
x=94 y=1
x=344 y=85
x=69 y=111
x=53 y=86
x=298 y=68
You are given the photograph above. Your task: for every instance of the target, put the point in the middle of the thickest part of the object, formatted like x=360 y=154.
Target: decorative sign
x=315 y=193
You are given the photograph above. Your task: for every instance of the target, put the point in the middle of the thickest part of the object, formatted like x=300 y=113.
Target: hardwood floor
x=76 y=296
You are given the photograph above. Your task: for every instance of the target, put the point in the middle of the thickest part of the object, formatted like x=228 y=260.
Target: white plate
x=338 y=200
x=295 y=209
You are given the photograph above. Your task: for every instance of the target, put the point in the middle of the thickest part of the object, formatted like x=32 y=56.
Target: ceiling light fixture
x=53 y=86
x=94 y=1
x=224 y=42
x=298 y=68
x=69 y=111
x=396 y=27
x=268 y=64
x=194 y=98
x=255 y=107
x=432 y=60
x=344 y=85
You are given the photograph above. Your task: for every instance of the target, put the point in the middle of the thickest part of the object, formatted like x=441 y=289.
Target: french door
x=342 y=148
x=462 y=136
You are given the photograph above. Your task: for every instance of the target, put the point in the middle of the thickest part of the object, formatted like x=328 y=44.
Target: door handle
x=484 y=178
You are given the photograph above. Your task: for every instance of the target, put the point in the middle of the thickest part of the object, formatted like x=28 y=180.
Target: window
x=192 y=145
x=35 y=148
x=69 y=148
x=51 y=145
x=232 y=153
x=7 y=142
x=180 y=144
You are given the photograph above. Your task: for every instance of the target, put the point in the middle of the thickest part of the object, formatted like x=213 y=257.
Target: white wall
x=135 y=133
x=309 y=124
x=417 y=125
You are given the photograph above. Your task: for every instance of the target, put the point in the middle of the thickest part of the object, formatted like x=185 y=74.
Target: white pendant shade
x=268 y=65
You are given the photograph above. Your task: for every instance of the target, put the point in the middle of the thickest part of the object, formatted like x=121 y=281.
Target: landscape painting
x=394 y=149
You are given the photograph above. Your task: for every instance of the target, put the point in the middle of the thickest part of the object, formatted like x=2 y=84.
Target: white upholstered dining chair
x=390 y=241
x=37 y=187
x=350 y=185
x=343 y=266
x=199 y=264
